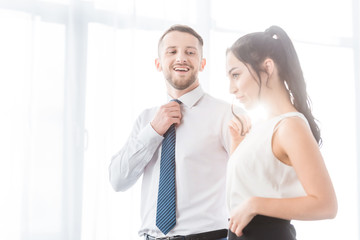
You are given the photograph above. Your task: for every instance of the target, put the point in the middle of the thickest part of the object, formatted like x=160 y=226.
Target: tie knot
x=176 y=100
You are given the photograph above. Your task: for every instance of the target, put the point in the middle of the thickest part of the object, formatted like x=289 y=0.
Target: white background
x=75 y=75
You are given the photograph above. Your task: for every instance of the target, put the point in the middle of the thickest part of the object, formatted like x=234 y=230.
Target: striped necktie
x=166 y=202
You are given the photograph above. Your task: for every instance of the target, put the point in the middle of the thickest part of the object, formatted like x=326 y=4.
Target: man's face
x=180 y=59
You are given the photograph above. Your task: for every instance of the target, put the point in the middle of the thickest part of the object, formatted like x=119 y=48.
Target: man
x=201 y=152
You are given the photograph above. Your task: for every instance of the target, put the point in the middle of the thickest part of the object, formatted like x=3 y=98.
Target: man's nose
x=181 y=58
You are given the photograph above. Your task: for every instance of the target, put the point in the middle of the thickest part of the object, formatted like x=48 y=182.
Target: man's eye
x=172 y=52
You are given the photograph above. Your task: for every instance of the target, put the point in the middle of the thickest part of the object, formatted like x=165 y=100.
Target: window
x=76 y=73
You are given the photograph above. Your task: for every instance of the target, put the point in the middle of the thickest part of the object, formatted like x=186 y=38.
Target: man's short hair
x=182 y=28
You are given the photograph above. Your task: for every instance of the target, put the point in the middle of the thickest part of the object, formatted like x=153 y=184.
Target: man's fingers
x=168 y=114
x=172 y=104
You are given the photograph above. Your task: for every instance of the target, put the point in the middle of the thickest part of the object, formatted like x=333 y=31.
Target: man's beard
x=181 y=85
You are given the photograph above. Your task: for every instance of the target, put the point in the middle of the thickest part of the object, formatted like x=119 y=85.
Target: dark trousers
x=266 y=228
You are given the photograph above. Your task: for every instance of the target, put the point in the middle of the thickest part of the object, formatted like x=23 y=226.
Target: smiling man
x=180 y=59
x=183 y=189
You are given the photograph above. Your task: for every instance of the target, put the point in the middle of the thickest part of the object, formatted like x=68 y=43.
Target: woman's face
x=242 y=83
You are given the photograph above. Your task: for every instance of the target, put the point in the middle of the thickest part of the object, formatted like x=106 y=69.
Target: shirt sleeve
x=129 y=163
x=225 y=132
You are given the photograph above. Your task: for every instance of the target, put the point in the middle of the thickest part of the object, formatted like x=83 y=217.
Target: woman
x=277 y=173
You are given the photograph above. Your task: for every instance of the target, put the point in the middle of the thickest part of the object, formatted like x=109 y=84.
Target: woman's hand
x=241 y=216
x=239 y=126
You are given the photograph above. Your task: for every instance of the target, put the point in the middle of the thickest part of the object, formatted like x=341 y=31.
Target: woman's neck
x=278 y=102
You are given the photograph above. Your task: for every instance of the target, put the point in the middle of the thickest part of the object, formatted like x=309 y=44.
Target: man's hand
x=167 y=115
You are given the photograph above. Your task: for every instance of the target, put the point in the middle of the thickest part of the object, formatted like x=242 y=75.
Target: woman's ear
x=269 y=66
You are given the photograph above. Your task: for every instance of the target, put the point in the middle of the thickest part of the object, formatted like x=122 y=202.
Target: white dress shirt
x=202 y=151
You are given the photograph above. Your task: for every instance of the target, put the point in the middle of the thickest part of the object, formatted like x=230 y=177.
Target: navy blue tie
x=166 y=203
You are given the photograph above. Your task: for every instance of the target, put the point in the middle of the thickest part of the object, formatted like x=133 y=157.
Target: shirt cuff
x=149 y=137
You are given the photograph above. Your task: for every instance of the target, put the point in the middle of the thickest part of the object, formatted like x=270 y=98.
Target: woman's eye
x=235 y=76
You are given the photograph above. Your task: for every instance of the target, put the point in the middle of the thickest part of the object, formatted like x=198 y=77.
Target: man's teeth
x=181 y=69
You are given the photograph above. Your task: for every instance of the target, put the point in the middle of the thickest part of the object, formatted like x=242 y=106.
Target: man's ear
x=202 y=64
x=158 y=64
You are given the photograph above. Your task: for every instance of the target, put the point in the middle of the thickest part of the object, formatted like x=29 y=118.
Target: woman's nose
x=232 y=88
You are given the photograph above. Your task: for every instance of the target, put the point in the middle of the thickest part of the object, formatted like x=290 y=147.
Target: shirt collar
x=191 y=98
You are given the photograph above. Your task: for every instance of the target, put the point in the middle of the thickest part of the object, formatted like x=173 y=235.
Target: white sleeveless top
x=253 y=170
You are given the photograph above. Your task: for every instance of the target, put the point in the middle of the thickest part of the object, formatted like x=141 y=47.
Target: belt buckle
x=166 y=238
x=163 y=238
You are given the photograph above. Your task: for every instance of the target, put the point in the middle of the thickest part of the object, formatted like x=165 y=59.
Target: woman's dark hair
x=252 y=49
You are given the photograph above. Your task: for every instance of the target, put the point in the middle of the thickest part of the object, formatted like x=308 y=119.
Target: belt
x=213 y=235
